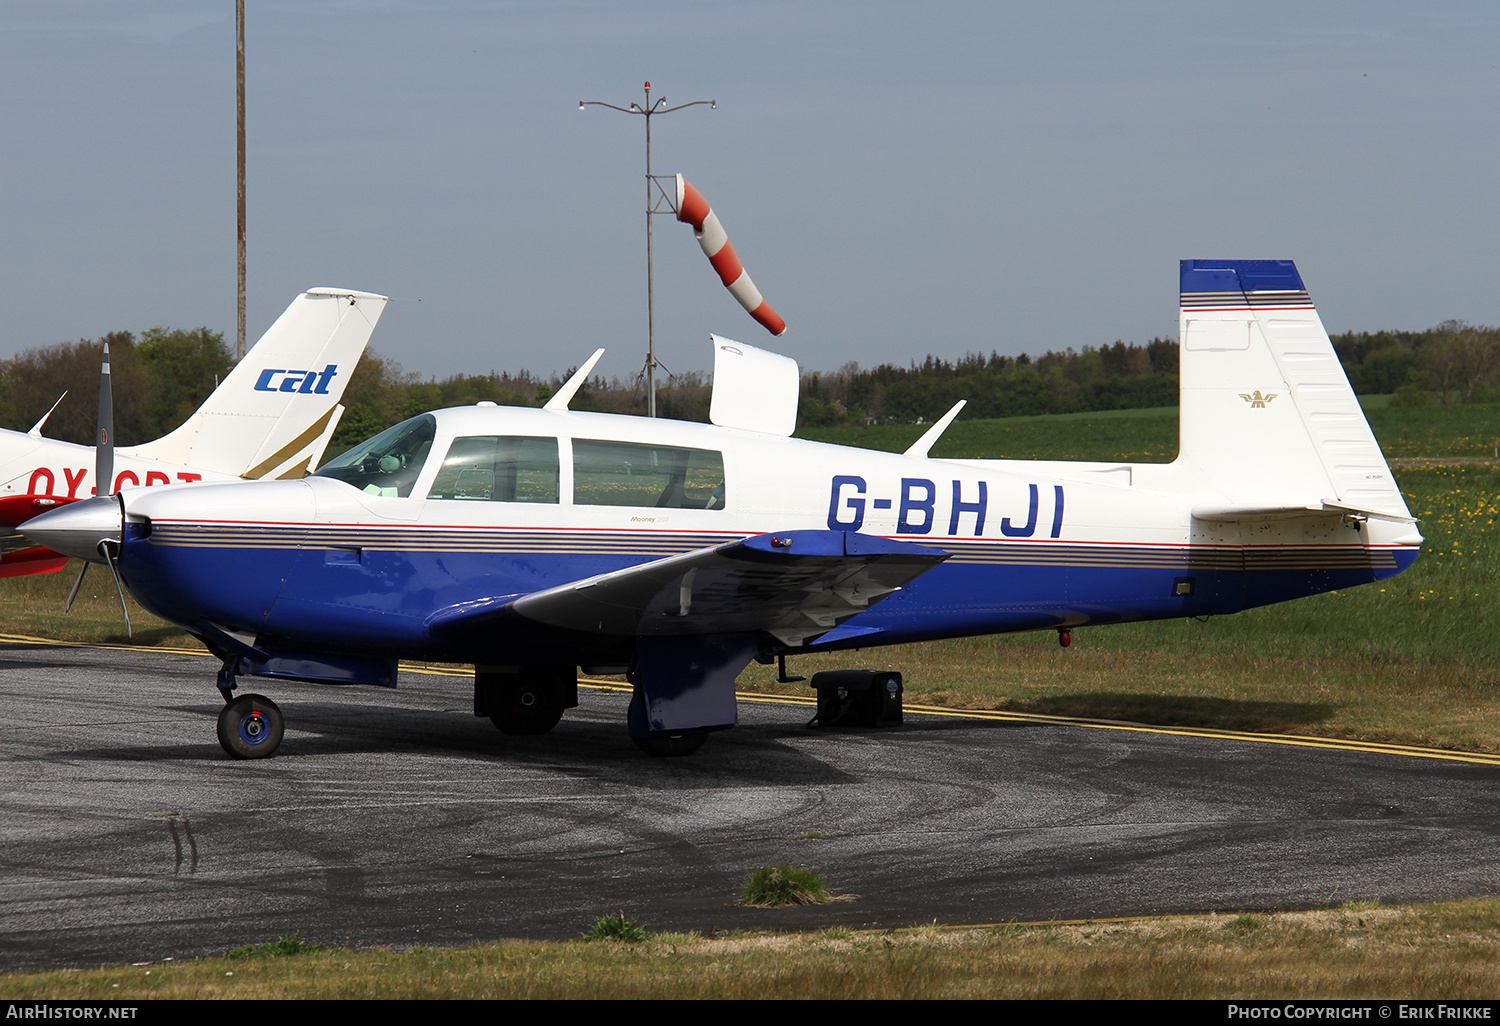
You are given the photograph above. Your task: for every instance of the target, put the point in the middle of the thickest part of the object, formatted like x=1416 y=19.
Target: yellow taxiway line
x=1294 y=740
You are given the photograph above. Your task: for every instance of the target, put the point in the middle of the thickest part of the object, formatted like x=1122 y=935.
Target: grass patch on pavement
x=783 y=884
x=617 y=928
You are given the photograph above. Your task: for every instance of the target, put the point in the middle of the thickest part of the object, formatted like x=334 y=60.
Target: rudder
x=1267 y=414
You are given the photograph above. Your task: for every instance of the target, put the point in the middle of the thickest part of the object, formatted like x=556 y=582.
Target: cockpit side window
x=498 y=468
x=639 y=474
x=389 y=463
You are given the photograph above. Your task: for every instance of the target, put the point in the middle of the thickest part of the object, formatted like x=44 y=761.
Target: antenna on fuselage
x=559 y=401
x=929 y=438
x=36 y=429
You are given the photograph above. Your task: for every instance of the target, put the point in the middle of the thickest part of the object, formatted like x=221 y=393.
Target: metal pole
x=650 y=279
x=646 y=111
x=239 y=54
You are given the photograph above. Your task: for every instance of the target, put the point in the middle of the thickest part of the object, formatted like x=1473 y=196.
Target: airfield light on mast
x=658 y=201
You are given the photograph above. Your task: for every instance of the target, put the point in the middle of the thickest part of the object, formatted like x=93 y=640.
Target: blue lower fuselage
x=324 y=589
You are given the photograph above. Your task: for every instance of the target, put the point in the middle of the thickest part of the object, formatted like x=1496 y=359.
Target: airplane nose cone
x=77 y=529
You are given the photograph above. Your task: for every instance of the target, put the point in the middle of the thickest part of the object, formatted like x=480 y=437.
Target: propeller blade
x=108 y=553
x=77 y=583
x=104 y=440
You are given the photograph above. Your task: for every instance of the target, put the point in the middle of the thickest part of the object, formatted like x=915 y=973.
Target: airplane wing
x=794 y=585
x=21 y=557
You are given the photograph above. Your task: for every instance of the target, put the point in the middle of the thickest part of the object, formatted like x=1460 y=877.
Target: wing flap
x=793 y=584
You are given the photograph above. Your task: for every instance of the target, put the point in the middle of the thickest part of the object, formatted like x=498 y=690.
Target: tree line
x=164 y=374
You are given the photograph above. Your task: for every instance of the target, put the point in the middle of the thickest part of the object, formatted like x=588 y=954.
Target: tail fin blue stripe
x=1242 y=284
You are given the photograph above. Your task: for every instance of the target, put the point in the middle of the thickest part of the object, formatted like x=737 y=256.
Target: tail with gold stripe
x=275 y=412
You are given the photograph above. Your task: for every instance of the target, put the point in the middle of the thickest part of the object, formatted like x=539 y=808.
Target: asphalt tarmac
x=396 y=818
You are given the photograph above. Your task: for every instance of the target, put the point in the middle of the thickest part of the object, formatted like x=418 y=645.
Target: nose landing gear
x=250 y=727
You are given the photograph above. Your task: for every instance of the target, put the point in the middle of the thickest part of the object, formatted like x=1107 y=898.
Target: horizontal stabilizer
x=1327 y=508
x=794 y=585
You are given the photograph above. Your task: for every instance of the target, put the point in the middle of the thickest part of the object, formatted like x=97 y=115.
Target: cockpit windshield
x=389 y=463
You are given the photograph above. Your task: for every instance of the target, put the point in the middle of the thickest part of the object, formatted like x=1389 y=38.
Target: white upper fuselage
x=775 y=483
x=31 y=465
x=772 y=483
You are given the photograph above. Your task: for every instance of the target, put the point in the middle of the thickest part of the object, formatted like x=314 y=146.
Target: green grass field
x=1359 y=951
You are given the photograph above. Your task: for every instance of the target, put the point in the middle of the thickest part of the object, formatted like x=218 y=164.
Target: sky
x=899 y=178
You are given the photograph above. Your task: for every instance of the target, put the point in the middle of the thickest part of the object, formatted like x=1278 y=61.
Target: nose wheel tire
x=250 y=727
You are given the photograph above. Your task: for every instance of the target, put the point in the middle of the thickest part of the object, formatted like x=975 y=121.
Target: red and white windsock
x=693 y=209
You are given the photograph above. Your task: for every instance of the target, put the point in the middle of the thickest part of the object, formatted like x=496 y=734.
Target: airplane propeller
x=93 y=520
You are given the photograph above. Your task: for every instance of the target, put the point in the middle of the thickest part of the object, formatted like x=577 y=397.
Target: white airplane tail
x=1268 y=416
x=275 y=412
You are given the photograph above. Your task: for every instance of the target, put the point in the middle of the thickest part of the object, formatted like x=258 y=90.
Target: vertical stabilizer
x=275 y=410
x=1268 y=416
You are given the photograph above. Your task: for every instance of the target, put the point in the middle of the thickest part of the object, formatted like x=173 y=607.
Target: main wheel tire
x=662 y=746
x=528 y=708
x=666 y=746
x=250 y=727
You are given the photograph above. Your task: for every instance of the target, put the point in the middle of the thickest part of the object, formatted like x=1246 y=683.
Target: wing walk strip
x=1336 y=744
x=605 y=543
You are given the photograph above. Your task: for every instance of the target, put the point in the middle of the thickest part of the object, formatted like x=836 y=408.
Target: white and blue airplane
x=533 y=542
x=271 y=417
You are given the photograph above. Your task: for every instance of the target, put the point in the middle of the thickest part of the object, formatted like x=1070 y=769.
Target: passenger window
x=635 y=474
x=498 y=468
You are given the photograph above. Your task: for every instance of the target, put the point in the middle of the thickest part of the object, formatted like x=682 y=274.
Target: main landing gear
x=527 y=701
x=250 y=727
x=662 y=746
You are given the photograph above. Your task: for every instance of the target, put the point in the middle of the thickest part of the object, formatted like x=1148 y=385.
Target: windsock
x=693 y=209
